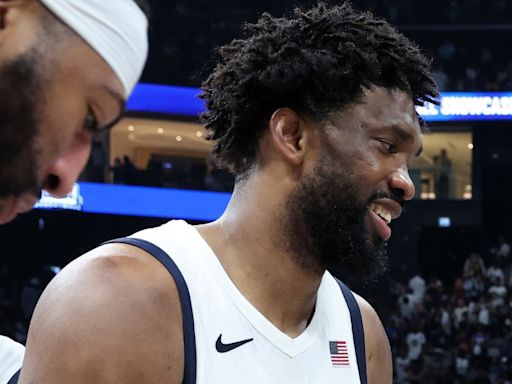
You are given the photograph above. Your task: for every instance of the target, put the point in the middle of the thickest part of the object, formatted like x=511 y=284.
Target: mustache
x=396 y=196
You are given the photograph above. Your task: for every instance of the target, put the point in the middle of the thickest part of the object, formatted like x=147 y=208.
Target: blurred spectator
x=442 y=175
x=415 y=340
x=495 y=274
x=462 y=361
x=474 y=265
x=473 y=286
x=498 y=292
x=406 y=304
x=402 y=365
x=418 y=286
x=502 y=251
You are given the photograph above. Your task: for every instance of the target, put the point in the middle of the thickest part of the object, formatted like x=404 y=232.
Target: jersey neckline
x=288 y=345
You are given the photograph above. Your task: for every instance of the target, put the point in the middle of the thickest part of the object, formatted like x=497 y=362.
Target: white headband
x=116 y=29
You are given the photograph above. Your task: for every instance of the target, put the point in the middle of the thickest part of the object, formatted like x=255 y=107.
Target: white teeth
x=382 y=212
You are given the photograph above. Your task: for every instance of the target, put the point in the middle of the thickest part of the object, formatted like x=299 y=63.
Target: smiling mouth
x=382 y=212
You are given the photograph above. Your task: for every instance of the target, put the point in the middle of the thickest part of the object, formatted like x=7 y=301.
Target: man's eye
x=91 y=122
x=388 y=146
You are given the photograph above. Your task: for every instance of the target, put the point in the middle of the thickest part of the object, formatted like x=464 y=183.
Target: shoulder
x=111 y=316
x=378 y=351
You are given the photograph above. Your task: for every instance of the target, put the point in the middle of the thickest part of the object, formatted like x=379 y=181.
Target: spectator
x=442 y=175
x=402 y=366
x=495 y=274
x=406 y=304
x=415 y=341
x=498 y=293
x=503 y=251
x=474 y=265
x=462 y=361
x=418 y=286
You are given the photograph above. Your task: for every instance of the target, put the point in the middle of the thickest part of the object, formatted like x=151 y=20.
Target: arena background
x=460 y=329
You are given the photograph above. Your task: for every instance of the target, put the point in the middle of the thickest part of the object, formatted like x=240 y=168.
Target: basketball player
x=315 y=115
x=66 y=69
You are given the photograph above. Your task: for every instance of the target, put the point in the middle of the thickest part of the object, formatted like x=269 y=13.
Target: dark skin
x=119 y=302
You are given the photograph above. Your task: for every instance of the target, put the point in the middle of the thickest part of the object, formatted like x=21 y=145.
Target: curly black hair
x=314 y=62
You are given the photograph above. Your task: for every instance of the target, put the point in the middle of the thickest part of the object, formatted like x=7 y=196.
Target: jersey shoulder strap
x=189 y=338
x=357 y=330
x=15 y=378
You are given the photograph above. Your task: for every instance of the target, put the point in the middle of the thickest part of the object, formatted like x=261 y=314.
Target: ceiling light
x=179 y=138
x=199 y=134
x=470 y=146
x=131 y=128
x=160 y=131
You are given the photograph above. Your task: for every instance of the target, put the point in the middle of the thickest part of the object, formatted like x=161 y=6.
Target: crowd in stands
x=443 y=12
x=458 y=332
x=482 y=66
x=467 y=39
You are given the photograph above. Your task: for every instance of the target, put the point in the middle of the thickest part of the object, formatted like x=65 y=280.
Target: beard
x=327 y=230
x=20 y=89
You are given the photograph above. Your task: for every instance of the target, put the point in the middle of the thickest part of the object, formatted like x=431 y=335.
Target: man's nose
x=65 y=170
x=400 y=181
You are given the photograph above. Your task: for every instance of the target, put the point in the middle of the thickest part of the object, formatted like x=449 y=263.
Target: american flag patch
x=339 y=353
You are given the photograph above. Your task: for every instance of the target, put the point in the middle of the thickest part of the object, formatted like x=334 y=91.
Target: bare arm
x=107 y=319
x=379 y=363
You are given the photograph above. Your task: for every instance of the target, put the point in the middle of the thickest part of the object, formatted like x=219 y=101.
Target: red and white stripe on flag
x=339 y=353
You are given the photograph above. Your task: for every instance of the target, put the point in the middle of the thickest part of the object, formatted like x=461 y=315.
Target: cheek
x=56 y=135
x=366 y=167
x=64 y=109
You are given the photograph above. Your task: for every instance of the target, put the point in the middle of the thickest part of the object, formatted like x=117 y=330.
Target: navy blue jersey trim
x=357 y=331
x=189 y=337
x=15 y=378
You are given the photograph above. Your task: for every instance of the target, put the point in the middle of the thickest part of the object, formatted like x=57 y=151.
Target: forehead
x=386 y=107
x=80 y=70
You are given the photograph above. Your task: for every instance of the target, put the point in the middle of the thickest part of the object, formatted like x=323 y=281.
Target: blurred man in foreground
x=66 y=70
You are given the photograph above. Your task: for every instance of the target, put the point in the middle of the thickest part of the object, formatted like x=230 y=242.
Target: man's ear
x=287 y=132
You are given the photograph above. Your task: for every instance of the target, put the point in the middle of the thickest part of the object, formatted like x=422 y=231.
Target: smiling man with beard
x=315 y=115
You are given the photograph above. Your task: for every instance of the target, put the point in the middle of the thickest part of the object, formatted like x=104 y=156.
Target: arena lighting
x=444 y=222
x=117 y=199
x=455 y=106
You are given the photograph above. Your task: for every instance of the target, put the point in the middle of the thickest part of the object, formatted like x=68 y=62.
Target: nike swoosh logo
x=223 y=348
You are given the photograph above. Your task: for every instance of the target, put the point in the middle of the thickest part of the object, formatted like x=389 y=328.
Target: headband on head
x=116 y=29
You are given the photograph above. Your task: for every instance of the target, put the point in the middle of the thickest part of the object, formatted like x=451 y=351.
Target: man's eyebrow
x=122 y=106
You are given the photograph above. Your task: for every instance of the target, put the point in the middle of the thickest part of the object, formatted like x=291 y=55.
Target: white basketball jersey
x=11 y=357
x=235 y=343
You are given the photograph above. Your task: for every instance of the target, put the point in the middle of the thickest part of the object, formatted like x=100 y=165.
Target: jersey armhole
x=15 y=378
x=357 y=330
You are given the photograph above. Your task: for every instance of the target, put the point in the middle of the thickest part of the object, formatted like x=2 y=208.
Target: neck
x=250 y=243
